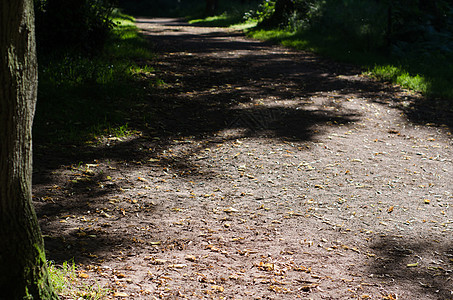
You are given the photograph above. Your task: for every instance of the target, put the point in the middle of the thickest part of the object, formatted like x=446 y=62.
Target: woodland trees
x=82 y=25
x=211 y=6
x=394 y=24
x=23 y=266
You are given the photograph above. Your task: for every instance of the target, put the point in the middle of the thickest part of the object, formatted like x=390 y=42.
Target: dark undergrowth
x=425 y=67
x=82 y=97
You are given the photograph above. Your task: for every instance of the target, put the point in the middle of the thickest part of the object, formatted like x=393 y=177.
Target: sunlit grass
x=244 y=26
x=68 y=283
x=399 y=76
x=232 y=15
x=433 y=78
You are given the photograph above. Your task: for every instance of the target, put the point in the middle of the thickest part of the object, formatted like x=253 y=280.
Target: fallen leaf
x=306 y=288
x=218 y=288
x=265 y=266
x=83 y=275
x=230 y=210
x=412 y=265
x=89 y=172
x=177 y=266
x=158 y=261
x=191 y=257
x=120 y=294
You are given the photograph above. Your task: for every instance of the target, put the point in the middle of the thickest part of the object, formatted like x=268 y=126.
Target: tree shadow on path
x=422 y=265
x=218 y=87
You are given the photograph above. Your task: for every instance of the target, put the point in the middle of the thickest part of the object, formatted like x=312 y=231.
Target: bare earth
x=264 y=173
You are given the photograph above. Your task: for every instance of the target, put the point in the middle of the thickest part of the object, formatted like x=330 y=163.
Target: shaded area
x=423 y=264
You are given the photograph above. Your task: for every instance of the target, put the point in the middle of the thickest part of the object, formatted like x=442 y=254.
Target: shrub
x=75 y=24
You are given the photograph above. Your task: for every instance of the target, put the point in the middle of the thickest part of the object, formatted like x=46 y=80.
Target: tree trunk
x=23 y=266
x=283 y=8
x=211 y=7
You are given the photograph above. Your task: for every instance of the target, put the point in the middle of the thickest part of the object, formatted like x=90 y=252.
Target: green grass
x=399 y=76
x=432 y=77
x=67 y=283
x=353 y=35
x=232 y=15
x=81 y=97
x=224 y=20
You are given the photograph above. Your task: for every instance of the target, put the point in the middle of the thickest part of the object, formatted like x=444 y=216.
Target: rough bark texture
x=23 y=271
x=282 y=9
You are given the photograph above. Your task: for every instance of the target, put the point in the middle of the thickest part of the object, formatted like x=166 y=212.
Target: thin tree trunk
x=282 y=10
x=211 y=7
x=23 y=267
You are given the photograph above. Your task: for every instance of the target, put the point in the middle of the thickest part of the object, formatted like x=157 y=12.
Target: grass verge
x=431 y=76
x=82 y=97
x=68 y=283
x=232 y=15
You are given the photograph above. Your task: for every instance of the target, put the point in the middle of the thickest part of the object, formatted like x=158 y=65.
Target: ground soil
x=265 y=173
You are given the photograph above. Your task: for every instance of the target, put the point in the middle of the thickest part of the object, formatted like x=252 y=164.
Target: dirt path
x=264 y=173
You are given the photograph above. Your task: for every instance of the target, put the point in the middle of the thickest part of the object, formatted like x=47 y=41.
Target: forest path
x=265 y=173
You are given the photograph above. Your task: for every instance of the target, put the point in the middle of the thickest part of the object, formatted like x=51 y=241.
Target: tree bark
x=211 y=7
x=23 y=266
x=282 y=10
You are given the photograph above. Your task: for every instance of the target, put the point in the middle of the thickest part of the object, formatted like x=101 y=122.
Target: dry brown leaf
x=265 y=266
x=158 y=261
x=191 y=258
x=120 y=294
x=177 y=266
x=218 y=288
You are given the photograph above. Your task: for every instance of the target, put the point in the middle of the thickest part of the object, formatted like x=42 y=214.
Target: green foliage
x=404 y=27
x=233 y=13
x=407 y=42
x=433 y=77
x=420 y=27
x=357 y=21
x=68 y=284
x=163 y=8
x=354 y=21
x=263 y=12
x=80 y=24
x=81 y=97
x=399 y=75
